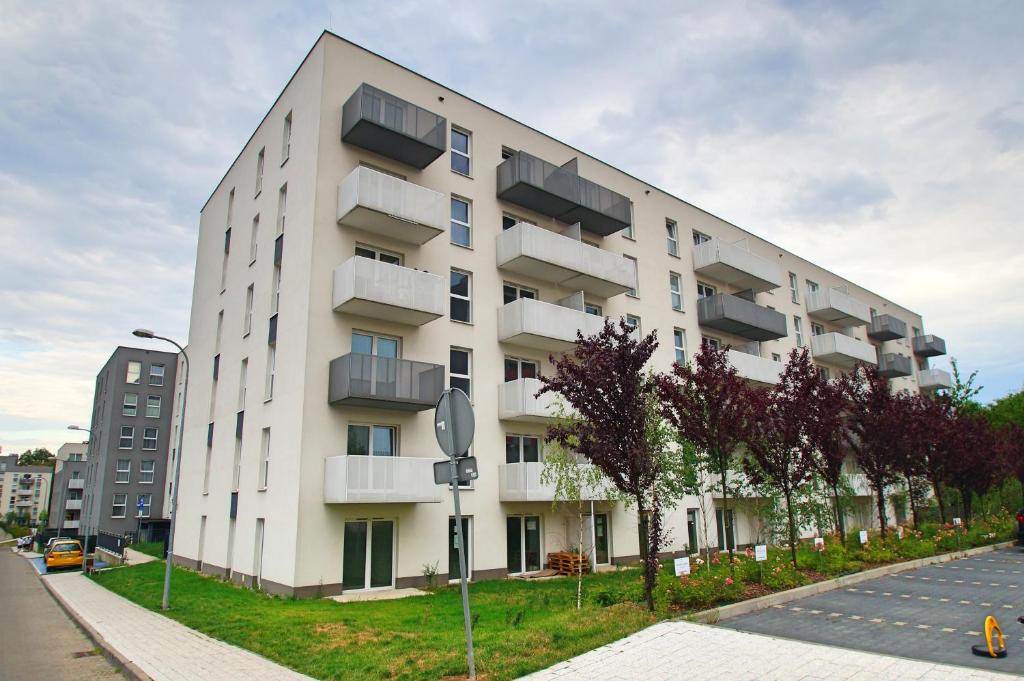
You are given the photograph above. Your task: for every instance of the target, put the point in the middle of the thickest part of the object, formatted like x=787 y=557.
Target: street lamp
x=81 y=511
x=165 y=603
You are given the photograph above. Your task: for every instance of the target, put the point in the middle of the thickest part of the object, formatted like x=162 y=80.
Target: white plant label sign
x=761 y=552
x=863 y=536
x=682 y=566
x=819 y=543
x=957 y=522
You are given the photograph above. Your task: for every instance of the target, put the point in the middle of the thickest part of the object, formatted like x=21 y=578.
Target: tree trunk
x=880 y=494
x=645 y=553
x=910 y=498
x=937 y=488
x=840 y=522
x=726 y=525
x=965 y=500
x=791 y=522
x=579 y=583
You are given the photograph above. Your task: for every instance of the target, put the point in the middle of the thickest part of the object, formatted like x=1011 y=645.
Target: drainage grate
x=86 y=653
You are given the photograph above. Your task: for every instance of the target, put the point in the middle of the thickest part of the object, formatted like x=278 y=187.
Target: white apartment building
x=381 y=237
x=24 y=490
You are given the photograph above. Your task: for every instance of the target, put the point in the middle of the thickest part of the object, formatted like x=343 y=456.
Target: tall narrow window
x=130 y=406
x=156 y=374
x=120 y=506
x=264 y=458
x=247 y=316
x=794 y=288
x=127 y=439
x=236 y=469
x=282 y=207
x=254 y=236
x=675 y=286
x=461 y=151
x=679 y=345
x=242 y=377
x=268 y=383
x=147 y=470
x=259 y=170
x=134 y=373
x=461 y=307
x=811 y=287
x=462 y=231
x=143 y=504
x=206 y=469
x=149 y=438
x=798 y=329
x=231 y=207
x=220 y=330
x=634 y=292
x=630 y=231
x=672 y=236
x=153 y=404
x=224 y=262
x=286 y=138
x=123 y=473
x=459 y=367
x=275 y=290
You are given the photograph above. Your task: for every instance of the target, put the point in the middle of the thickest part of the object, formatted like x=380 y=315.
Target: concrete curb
x=716 y=615
x=127 y=667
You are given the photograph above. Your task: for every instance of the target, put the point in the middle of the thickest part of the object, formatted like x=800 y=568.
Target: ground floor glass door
x=691 y=530
x=523 y=545
x=601 y=538
x=368 y=554
x=726 y=530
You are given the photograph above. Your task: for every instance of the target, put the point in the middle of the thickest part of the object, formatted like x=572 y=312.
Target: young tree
x=709 y=405
x=604 y=381
x=1013 y=453
x=975 y=460
x=962 y=393
x=828 y=437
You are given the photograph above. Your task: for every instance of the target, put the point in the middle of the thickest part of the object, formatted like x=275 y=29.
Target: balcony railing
x=559 y=192
x=549 y=256
x=929 y=346
x=930 y=380
x=534 y=324
x=392 y=127
x=516 y=401
x=76 y=483
x=740 y=317
x=522 y=482
x=735 y=266
x=380 y=480
x=383 y=204
x=358 y=380
x=755 y=368
x=844 y=351
x=71 y=524
x=894 y=365
x=832 y=305
x=885 y=327
x=371 y=288
x=73 y=504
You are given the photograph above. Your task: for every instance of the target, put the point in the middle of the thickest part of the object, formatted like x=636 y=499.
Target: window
x=131 y=404
x=259 y=170
x=374 y=253
x=460 y=151
x=206 y=470
x=149 y=436
x=522 y=449
x=156 y=374
x=236 y=469
x=119 y=506
x=247 y=316
x=134 y=376
x=508 y=221
x=224 y=262
x=794 y=289
x=264 y=475
x=700 y=238
x=243 y=375
x=798 y=329
x=634 y=292
x=372 y=344
x=817 y=329
x=512 y=292
x=286 y=138
x=220 y=329
x=592 y=308
x=776 y=357
x=633 y=322
x=282 y=208
x=630 y=231
x=268 y=383
x=147 y=472
x=366 y=440
x=127 y=440
x=153 y=406
x=231 y=206
x=523 y=543
x=679 y=345
x=675 y=287
x=825 y=373
x=705 y=290
x=123 y=473
x=454 y=567
x=711 y=342
x=254 y=234
x=672 y=236
x=143 y=503
x=506 y=153
x=275 y=290
x=516 y=368
x=461 y=300
x=461 y=229
x=811 y=287
x=460 y=366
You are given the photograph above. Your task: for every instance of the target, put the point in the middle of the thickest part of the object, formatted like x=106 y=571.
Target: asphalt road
x=934 y=613
x=37 y=640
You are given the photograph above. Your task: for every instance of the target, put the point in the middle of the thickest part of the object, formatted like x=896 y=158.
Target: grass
x=150 y=548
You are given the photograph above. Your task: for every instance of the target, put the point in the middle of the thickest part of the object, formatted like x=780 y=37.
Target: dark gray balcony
x=894 y=365
x=740 y=317
x=885 y=327
x=929 y=346
x=559 y=192
x=392 y=127
x=358 y=380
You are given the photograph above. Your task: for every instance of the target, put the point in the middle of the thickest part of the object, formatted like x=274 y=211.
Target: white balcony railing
x=76 y=483
x=73 y=504
x=532 y=323
x=71 y=524
x=383 y=204
x=379 y=480
x=934 y=379
x=736 y=266
x=516 y=401
x=755 y=368
x=549 y=256
x=832 y=305
x=371 y=288
x=844 y=351
x=522 y=482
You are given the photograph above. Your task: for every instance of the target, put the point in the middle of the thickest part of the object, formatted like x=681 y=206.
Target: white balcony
x=549 y=256
x=832 y=305
x=733 y=265
x=835 y=348
x=73 y=504
x=755 y=368
x=859 y=483
x=383 y=204
x=380 y=480
x=534 y=324
x=76 y=483
x=71 y=524
x=516 y=402
x=522 y=482
x=934 y=379
x=371 y=288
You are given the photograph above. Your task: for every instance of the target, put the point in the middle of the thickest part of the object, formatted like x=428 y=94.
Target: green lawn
x=520 y=627
x=150 y=548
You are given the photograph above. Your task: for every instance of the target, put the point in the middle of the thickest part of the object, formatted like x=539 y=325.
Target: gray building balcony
x=371 y=288
x=386 y=205
x=392 y=127
x=522 y=482
x=380 y=480
x=76 y=483
x=559 y=192
x=740 y=317
x=544 y=326
x=755 y=368
x=833 y=305
x=930 y=380
x=73 y=504
x=929 y=346
x=885 y=327
x=542 y=254
x=893 y=365
x=71 y=524
x=358 y=380
x=841 y=350
x=736 y=266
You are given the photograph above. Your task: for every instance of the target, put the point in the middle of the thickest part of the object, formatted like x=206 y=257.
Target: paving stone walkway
x=160 y=647
x=681 y=650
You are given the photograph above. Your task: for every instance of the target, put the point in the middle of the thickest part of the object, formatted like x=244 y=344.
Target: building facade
x=381 y=237
x=128 y=442
x=68 y=487
x=24 y=490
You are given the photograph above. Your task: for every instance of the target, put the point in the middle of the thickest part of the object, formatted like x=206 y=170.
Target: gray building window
x=120 y=505
x=153 y=406
x=461 y=285
x=134 y=374
x=147 y=472
x=124 y=471
x=156 y=374
x=127 y=440
x=149 y=436
x=130 y=407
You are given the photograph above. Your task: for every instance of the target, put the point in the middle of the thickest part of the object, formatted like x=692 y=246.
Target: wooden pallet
x=568 y=563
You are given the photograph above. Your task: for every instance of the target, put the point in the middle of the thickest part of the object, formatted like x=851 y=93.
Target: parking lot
x=934 y=613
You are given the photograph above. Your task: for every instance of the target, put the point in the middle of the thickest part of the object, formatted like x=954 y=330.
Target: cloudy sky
x=883 y=140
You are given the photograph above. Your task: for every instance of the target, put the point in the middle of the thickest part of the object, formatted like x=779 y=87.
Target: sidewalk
x=158 y=647
x=674 y=650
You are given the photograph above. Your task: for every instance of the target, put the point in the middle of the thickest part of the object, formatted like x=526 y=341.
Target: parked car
x=64 y=553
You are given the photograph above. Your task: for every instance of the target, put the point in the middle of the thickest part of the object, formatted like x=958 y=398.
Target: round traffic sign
x=454 y=422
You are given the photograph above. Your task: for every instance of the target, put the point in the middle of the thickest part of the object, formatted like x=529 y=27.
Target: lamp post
x=81 y=511
x=146 y=333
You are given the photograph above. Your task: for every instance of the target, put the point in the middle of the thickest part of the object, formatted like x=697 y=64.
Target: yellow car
x=64 y=553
